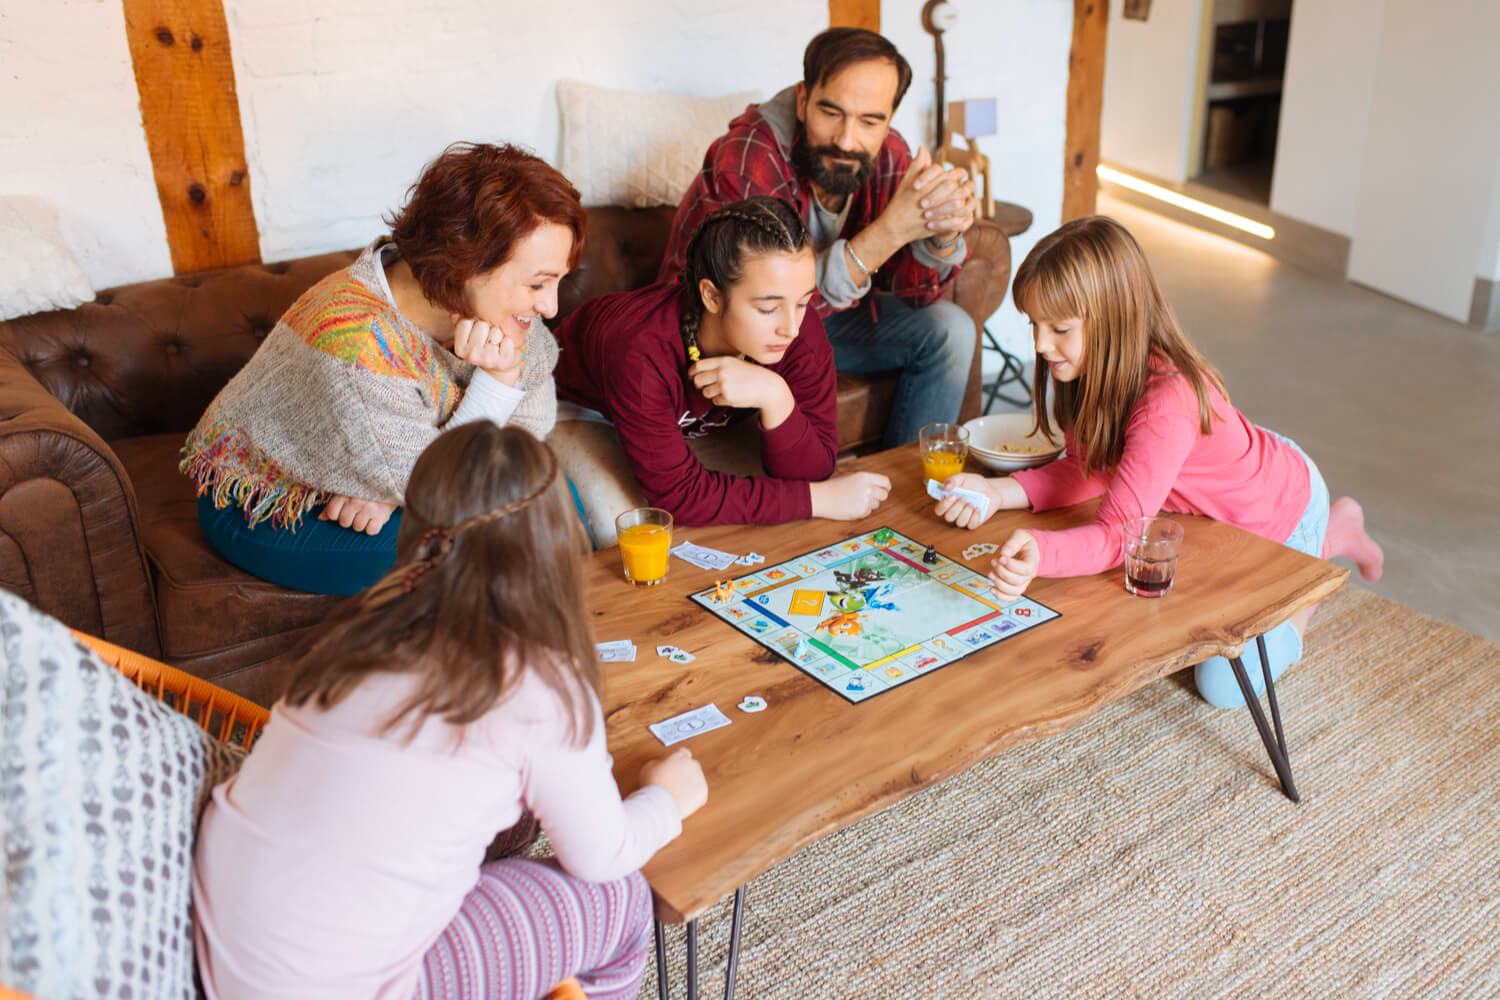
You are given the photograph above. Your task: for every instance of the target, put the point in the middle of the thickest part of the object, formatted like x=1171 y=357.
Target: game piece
x=884 y=620
x=753 y=703
x=723 y=591
x=688 y=724
x=883 y=536
x=979 y=549
x=930 y=556
x=751 y=559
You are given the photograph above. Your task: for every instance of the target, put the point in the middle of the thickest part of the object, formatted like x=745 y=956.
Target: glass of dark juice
x=1152 y=545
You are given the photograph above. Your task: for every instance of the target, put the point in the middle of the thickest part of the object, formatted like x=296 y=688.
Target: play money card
x=688 y=724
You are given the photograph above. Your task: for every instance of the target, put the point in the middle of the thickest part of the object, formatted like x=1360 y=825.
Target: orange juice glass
x=645 y=535
x=944 y=448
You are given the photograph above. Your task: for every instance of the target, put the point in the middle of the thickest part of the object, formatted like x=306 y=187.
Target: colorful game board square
x=828 y=668
x=806 y=568
x=775 y=574
x=978 y=637
x=807 y=602
x=759 y=626
x=947 y=574
x=852 y=545
x=944 y=647
x=828 y=555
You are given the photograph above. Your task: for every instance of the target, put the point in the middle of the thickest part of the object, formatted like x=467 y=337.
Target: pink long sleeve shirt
x=1238 y=473
x=336 y=857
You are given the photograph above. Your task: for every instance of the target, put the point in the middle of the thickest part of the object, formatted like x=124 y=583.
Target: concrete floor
x=1399 y=407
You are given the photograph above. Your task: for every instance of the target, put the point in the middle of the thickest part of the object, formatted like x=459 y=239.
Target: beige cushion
x=623 y=147
x=590 y=454
x=38 y=273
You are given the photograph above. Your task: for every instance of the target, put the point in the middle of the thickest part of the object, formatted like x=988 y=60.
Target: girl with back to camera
x=346 y=857
x=1148 y=424
x=732 y=339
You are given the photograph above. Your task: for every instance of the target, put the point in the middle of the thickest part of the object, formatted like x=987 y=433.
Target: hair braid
x=717 y=250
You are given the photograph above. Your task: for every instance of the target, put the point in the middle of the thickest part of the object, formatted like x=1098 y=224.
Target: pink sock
x=1346 y=537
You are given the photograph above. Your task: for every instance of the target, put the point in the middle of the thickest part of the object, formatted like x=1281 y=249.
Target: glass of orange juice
x=645 y=535
x=944 y=448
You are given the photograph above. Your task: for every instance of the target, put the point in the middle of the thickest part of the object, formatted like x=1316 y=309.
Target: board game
x=867 y=614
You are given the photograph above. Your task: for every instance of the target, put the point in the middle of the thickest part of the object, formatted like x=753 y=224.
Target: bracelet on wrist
x=932 y=242
x=849 y=246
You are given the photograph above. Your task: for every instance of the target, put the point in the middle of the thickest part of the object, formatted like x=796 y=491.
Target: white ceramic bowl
x=1003 y=442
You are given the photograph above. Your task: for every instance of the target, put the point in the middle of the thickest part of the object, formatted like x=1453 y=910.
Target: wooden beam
x=854 y=14
x=1085 y=107
x=185 y=77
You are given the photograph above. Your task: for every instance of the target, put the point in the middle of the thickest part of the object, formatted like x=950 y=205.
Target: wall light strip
x=1250 y=226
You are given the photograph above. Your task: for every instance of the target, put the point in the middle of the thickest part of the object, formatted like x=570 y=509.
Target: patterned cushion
x=100 y=790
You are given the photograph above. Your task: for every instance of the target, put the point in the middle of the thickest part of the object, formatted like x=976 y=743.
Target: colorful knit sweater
x=341 y=398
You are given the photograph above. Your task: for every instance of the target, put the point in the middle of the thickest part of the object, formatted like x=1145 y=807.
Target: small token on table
x=882 y=537
x=753 y=703
x=930 y=556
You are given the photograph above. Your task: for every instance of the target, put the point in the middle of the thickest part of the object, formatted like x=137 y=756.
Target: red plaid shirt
x=749 y=160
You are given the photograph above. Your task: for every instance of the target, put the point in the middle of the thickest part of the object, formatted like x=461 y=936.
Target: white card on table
x=616 y=651
x=689 y=724
x=703 y=558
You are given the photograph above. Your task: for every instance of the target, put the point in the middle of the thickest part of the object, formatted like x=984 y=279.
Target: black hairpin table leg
x=1275 y=741
x=692 y=953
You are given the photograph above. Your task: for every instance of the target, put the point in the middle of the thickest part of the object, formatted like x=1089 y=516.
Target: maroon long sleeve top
x=623 y=355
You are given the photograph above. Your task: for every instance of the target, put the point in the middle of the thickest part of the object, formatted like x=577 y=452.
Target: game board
x=864 y=617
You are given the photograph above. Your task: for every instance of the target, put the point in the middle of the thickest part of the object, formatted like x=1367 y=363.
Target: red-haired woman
x=301 y=461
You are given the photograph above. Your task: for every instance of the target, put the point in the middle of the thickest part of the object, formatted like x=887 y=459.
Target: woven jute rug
x=1150 y=852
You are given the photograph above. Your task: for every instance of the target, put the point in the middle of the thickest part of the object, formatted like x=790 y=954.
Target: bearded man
x=888 y=228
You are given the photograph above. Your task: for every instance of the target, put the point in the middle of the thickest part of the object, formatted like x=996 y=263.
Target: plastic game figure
x=723 y=591
x=882 y=537
x=844 y=624
x=930 y=556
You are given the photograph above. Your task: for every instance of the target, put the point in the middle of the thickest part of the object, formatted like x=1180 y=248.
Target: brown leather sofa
x=97 y=526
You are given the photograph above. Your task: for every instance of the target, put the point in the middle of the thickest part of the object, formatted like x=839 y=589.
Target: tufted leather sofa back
x=148 y=358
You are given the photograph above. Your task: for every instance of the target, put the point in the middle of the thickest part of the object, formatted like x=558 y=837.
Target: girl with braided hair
x=347 y=857
x=732 y=338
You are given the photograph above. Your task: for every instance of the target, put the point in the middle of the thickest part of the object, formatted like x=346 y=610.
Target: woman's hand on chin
x=368 y=516
x=489 y=348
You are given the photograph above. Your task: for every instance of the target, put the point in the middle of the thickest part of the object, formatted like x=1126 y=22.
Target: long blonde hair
x=488 y=583
x=1093 y=269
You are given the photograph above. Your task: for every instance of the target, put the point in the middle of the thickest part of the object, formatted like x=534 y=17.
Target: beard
x=836 y=179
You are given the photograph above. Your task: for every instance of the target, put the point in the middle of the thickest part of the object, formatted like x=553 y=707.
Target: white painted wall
x=1015 y=51
x=70 y=129
x=343 y=101
x=1489 y=247
x=1430 y=159
x=1150 y=80
x=1325 y=111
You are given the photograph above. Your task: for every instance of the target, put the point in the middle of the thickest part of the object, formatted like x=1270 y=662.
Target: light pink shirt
x=1238 y=474
x=330 y=864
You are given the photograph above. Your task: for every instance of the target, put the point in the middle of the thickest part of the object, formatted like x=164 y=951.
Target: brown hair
x=1093 y=269
x=468 y=210
x=832 y=50
x=721 y=244
x=487 y=584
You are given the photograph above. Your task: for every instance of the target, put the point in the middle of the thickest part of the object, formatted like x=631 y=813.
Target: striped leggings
x=528 y=925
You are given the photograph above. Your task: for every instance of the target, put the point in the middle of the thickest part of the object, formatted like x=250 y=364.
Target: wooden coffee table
x=811 y=763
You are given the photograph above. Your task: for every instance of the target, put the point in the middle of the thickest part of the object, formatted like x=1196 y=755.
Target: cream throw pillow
x=38 y=272
x=622 y=147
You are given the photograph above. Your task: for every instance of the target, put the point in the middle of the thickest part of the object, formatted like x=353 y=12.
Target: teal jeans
x=320 y=557
x=1214 y=676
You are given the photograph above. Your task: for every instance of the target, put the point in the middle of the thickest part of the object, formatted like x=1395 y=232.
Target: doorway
x=1247 y=61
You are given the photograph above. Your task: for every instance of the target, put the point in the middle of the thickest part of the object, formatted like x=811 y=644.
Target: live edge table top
x=811 y=763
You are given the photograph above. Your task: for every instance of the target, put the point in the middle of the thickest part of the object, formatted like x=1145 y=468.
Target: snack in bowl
x=1005 y=442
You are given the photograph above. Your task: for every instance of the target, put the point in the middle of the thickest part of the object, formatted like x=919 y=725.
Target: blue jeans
x=320 y=557
x=932 y=347
x=1214 y=676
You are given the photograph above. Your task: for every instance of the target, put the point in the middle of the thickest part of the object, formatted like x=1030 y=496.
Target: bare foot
x=1347 y=538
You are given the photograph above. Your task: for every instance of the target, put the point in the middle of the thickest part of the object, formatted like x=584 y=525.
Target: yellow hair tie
x=693 y=354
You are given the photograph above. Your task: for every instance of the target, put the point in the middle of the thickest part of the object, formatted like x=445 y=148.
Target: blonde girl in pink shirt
x=1148 y=426
x=347 y=859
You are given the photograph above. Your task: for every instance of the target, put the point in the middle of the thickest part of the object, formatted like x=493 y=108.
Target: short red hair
x=468 y=210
